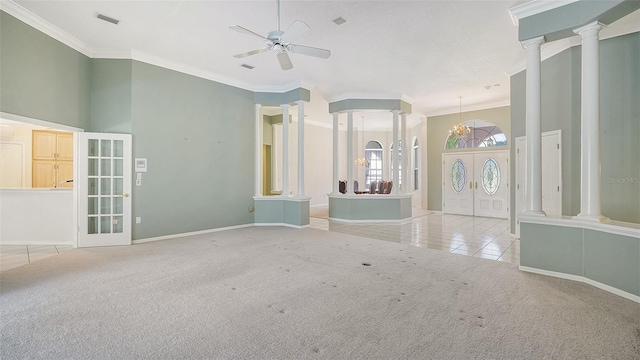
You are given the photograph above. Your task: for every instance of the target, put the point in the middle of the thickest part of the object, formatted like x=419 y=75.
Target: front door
x=476 y=183
x=457 y=182
x=103 y=185
x=490 y=186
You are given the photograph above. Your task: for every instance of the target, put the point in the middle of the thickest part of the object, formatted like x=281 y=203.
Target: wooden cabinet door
x=44 y=145
x=65 y=146
x=44 y=174
x=65 y=172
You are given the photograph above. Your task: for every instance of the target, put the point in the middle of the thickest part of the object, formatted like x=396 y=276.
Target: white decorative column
x=336 y=140
x=300 y=147
x=405 y=153
x=285 y=150
x=257 y=179
x=590 y=183
x=533 y=191
x=394 y=155
x=350 y=160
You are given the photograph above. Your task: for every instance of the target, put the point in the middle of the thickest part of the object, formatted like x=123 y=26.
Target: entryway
x=476 y=183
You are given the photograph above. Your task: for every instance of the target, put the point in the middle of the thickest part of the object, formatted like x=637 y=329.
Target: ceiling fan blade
x=310 y=51
x=296 y=29
x=285 y=61
x=242 y=30
x=249 y=53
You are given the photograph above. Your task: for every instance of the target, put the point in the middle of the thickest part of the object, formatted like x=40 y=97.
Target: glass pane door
x=105 y=183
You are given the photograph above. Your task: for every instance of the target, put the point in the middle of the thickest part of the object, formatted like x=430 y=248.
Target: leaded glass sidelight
x=458 y=176
x=490 y=176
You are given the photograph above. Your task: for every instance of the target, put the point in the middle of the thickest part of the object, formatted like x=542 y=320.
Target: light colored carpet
x=277 y=293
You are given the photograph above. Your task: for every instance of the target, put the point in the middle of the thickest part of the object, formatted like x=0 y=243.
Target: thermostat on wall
x=141 y=165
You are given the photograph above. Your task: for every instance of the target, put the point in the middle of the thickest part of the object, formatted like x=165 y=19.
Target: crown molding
x=187 y=69
x=535 y=7
x=370 y=96
x=284 y=87
x=44 y=26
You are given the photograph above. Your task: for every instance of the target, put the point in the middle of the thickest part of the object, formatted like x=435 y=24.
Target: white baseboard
x=283 y=224
x=400 y=221
x=583 y=279
x=320 y=206
x=166 y=237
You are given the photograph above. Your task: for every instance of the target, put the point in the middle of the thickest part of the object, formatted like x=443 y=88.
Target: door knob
x=125 y=195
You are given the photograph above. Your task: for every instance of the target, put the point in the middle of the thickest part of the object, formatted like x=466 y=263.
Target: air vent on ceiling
x=107 y=19
x=339 y=20
x=247 y=66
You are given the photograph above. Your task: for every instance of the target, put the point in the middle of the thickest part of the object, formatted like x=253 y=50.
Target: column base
x=592 y=218
x=534 y=213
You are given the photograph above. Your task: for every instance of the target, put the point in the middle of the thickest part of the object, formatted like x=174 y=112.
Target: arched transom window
x=481 y=134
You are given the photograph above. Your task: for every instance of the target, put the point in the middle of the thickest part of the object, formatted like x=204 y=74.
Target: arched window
x=373 y=154
x=399 y=163
x=481 y=134
x=415 y=164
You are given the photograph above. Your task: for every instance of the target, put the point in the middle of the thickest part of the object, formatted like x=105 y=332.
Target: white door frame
x=472 y=168
x=521 y=143
x=110 y=236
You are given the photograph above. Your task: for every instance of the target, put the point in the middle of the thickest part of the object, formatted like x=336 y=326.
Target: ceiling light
x=460 y=130
x=339 y=20
x=107 y=19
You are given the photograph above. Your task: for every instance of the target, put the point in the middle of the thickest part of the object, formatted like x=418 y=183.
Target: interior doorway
x=476 y=183
x=551 y=174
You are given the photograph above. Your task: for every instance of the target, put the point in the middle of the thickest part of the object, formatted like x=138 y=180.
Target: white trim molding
x=583 y=279
x=370 y=96
x=44 y=26
x=535 y=7
x=192 y=233
x=611 y=227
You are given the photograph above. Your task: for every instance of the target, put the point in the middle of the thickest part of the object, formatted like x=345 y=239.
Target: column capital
x=537 y=42
x=590 y=29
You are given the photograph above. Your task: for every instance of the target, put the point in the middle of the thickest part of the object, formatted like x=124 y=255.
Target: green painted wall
x=437 y=132
x=619 y=125
x=198 y=138
x=42 y=78
x=111 y=95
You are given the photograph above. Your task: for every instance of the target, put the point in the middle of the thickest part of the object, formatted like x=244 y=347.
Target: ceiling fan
x=281 y=42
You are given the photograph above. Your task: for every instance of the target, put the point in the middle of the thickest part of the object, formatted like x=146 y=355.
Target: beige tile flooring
x=465 y=235
x=12 y=256
x=486 y=238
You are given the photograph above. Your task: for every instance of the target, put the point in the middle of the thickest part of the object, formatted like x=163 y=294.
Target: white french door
x=457 y=184
x=491 y=184
x=476 y=183
x=102 y=190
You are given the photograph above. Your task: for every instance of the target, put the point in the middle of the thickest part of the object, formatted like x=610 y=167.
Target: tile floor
x=12 y=256
x=465 y=235
x=485 y=238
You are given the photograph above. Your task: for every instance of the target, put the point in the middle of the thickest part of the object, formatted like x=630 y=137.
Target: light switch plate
x=138 y=182
x=139 y=176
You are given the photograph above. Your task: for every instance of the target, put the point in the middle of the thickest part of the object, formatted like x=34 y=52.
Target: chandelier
x=362 y=161
x=460 y=130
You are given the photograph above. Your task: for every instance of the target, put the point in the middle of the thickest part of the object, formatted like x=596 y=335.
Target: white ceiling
x=430 y=51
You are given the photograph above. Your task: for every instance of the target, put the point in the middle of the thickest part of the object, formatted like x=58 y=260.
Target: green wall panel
x=198 y=138
x=613 y=260
x=551 y=248
x=42 y=78
x=111 y=95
